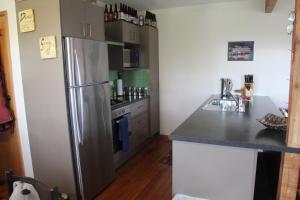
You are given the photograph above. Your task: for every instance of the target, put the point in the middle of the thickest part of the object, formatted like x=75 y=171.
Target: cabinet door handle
x=83 y=29
x=89 y=27
x=131 y=36
x=136 y=35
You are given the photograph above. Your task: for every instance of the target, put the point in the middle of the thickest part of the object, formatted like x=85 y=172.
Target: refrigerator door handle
x=102 y=114
x=70 y=61
x=74 y=107
x=80 y=114
x=79 y=108
x=76 y=132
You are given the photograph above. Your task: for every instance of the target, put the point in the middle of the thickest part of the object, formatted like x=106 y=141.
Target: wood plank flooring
x=144 y=177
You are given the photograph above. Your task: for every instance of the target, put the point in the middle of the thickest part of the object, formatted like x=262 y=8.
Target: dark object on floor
x=274 y=122
x=267 y=175
x=45 y=192
x=167 y=159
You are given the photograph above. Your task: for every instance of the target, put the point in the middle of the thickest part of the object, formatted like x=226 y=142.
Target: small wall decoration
x=48 y=47
x=241 y=51
x=26 y=20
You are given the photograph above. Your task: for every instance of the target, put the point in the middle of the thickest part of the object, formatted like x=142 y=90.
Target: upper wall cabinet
x=149 y=49
x=82 y=19
x=122 y=31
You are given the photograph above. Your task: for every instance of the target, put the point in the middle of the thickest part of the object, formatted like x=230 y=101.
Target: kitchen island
x=215 y=153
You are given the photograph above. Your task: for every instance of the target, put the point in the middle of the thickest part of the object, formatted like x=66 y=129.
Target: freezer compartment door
x=92 y=134
x=86 y=62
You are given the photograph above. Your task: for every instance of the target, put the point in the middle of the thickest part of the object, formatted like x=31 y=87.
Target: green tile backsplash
x=136 y=78
x=113 y=75
x=132 y=77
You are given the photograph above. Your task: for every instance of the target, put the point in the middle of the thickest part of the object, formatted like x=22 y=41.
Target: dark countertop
x=127 y=101
x=234 y=129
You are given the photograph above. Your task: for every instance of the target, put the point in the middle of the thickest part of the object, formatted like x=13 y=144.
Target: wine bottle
x=121 y=13
x=147 y=18
x=136 y=17
x=110 y=14
x=106 y=14
x=116 y=13
x=130 y=14
x=126 y=13
x=154 y=20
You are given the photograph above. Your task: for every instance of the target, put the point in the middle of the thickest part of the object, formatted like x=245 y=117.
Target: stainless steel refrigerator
x=88 y=93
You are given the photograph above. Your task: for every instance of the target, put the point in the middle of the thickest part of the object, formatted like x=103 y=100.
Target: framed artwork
x=241 y=51
x=48 y=47
x=26 y=20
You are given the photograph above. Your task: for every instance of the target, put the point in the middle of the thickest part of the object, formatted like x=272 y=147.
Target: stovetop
x=114 y=102
x=117 y=103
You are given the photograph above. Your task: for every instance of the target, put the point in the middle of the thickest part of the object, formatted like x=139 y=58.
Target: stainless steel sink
x=217 y=104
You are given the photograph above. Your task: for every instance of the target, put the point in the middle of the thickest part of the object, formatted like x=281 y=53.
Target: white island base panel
x=213 y=172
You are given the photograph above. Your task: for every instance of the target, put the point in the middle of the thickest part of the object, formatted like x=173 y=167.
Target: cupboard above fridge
x=82 y=19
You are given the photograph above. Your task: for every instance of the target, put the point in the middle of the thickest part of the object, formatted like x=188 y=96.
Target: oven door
x=119 y=156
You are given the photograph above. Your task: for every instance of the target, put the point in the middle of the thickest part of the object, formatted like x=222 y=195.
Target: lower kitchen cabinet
x=139 y=122
x=140 y=129
x=154 y=107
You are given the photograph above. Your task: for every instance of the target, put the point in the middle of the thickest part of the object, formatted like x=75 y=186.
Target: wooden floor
x=144 y=177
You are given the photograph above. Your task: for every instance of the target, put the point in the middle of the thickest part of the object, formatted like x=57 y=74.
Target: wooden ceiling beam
x=270 y=5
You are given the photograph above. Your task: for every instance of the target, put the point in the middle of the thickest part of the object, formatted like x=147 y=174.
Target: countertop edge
x=235 y=144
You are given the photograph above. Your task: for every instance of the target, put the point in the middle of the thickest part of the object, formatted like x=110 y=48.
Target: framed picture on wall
x=241 y=51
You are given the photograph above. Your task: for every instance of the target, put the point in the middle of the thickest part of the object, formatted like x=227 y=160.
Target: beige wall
x=9 y=6
x=193 y=54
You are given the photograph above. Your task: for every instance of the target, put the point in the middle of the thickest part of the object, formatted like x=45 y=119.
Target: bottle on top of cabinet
x=111 y=14
x=121 y=12
x=106 y=14
x=124 y=12
x=150 y=19
x=116 y=13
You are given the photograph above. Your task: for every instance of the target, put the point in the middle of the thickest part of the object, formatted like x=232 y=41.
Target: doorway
x=10 y=149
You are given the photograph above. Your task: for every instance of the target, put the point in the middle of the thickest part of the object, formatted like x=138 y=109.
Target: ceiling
x=161 y=4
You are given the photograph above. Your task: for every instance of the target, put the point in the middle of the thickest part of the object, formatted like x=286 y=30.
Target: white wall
x=9 y=6
x=193 y=54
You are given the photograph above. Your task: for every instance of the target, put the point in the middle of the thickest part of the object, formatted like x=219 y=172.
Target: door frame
x=10 y=144
x=290 y=163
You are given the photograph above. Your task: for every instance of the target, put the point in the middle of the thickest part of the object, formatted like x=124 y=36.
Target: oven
x=120 y=156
